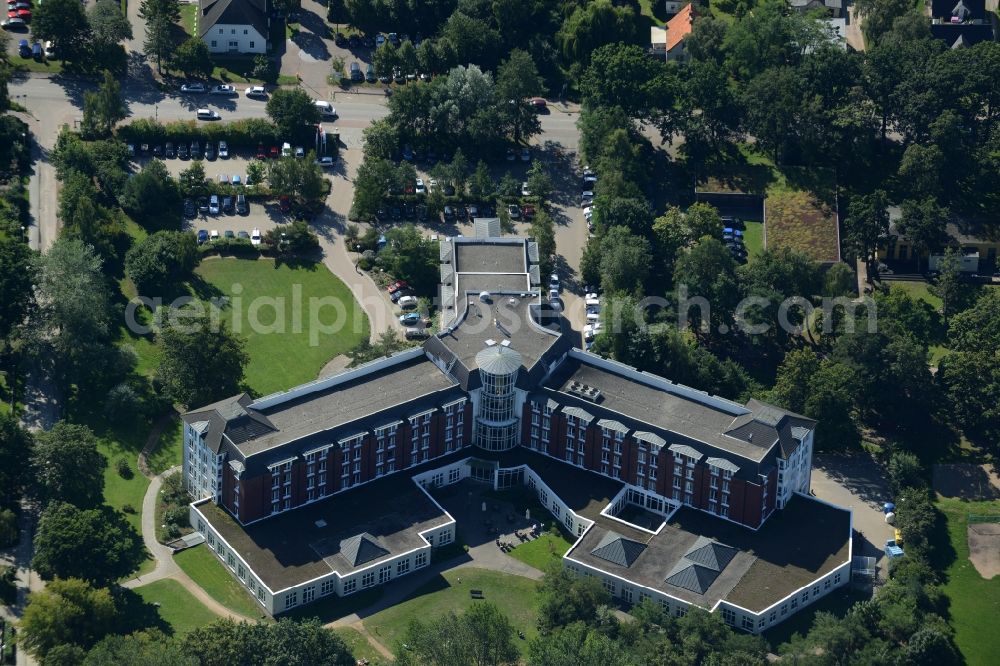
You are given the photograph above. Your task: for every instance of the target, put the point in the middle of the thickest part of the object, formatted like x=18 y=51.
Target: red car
x=275 y=152
x=528 y=211
x=20 y=13
x=284 y=203
x=397 y=285
x=261 y=151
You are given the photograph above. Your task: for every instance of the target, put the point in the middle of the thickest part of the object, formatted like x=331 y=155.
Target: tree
x=877 y=16
x=385 y=59
x=866 y=225
x=17 y=286
x=97 y=545
x=772 y=102
x=191 y=181
x=633 y=214
x=624 y=75
x=108 y=25
x=15 y=454
x=482 y=636
x=308 y=643
x=923 y=223
x=64 y=22
x=625 y=261
x=411 y=257
x=290 y=109
x=905 y=471
x=950 y=287
x=972 y=383
x=370 y=186
x=791 y=387
x=299 y=177
x=143 y=648
x=104 y=108
x=66 y=612
x=295 y=239
x=594 y=24
x=161 y=260
x=200 y=363
x=517 y=80
x=543 y=231
x=567 y=598
x=192 y=57
x=152 y=199
x=160 y=16
x=708 y=271
x=67 y=467
x=481 y=185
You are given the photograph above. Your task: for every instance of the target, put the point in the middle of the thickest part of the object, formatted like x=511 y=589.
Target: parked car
x=170 y=152
x=396 y=295
x=284 y=203
x=228 y=233
x=24 y=49
x=325 y=108
x=409 y=319
x=203 y=205
x=242 y=234
x=300 y=152
x=222 y=178
x=182 y=151
x=274 y=152
x=209 y=151
x=190 y=210
x=326 y=162
x=419 y=186
x=413 y=333
x=286 y=149
x=242 y=207
x=23 y=14
x=396 y=286
x=237 y=181
x=12 y=24
x=525 y=154
x=158 y=150
x=193 y=87
x=36 y=51
x=511 y=155
x=261 y=151
x=223 y=89
x=202 y=236
x=538 y=103
x=213 y=208
x=356 y=75
x=370 y=74
x=207 y=114
x=260 y=92
x=50 y=50
x=255 y=238
x=514 y=211
x=224 y=150
x=407 y=302
x=195 y=150
x=525 y=192
x=213 y=235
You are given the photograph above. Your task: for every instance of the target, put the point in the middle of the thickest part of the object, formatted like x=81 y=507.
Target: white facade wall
x=202 y=468
x=795 y=474
x=223 y=38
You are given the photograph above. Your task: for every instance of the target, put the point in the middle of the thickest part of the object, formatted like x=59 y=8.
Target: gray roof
x=692 y=577
x=611 y=424
x=577 y=413
x=618 y=550
x=687 y=451
x=711 y=554
x=233 y=12
x=650 y=438
x=361 y=548
x=722 y=463
x=499 y=360
x=765 y=425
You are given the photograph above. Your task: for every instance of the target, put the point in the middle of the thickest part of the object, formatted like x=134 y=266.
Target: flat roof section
x=504 y=318
x=803 y=542
x=289 y=549
x=358 y=399
x=646 y=404
x=481 y=256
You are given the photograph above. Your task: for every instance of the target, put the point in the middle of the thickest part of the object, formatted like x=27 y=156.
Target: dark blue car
x=202 y=236
x=24 y=49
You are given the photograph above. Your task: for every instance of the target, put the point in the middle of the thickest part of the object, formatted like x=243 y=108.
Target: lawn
x=331 y=608
x=974 y=602
x=516 y=596
x=753 y=238
x=32 y=65
x=120 y=492
x=540 y=552
x=919 y=290
x=168 y=449
x=189 y=18
x=205 y=569
x=281 y=352
x=177 y=607
x=359 y=646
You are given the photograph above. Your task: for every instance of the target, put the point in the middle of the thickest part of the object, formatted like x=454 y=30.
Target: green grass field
x=919 y=290
x=284 y=356
x=517 y=597
x=753 y=238
x=974 y=602
x=177 y=606
x=188 y=20
x=32 y=65
x=541 y=552
x=359 y=646
x=168 y=450
x=120 y=492
x=205 y=569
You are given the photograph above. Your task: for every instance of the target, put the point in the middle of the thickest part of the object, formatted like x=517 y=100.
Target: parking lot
x=856 y=482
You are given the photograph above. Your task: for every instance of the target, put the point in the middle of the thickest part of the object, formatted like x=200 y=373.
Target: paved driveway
x=857 y=483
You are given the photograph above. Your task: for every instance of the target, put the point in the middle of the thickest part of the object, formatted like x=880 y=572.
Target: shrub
x=128 y=508
x=171 y=531
x=124 y=471
x=123 y=403
x=8 y=585
x=9 y=532
x=365 y=264
x=177 y=515
x=243 y=134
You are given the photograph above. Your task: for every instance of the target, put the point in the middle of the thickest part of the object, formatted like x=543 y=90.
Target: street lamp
x=24 y=233
x=156 y=112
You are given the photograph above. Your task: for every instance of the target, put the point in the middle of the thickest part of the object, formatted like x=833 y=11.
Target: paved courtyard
x=856 y=482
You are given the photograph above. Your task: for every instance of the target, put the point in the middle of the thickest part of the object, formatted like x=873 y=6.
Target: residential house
x=668 y=42
x=235 y=27
x=961 y=23
x=976 y=242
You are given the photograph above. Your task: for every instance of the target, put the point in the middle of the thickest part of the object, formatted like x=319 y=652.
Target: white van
x=325 y=108
x=207 y=114
x=407 y=302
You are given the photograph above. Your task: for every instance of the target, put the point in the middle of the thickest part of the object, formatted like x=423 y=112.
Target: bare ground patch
x=984 y=548
x=966 y=481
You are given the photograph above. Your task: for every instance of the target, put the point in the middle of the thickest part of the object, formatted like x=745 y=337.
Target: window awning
x=687 y=451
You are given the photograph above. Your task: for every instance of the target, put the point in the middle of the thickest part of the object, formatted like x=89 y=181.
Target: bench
x=476 y=594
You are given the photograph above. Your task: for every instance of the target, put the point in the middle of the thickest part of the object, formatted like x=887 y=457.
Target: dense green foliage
x=200 y=363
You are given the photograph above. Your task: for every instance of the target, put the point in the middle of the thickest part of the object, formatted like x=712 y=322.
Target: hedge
x=246 y=133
